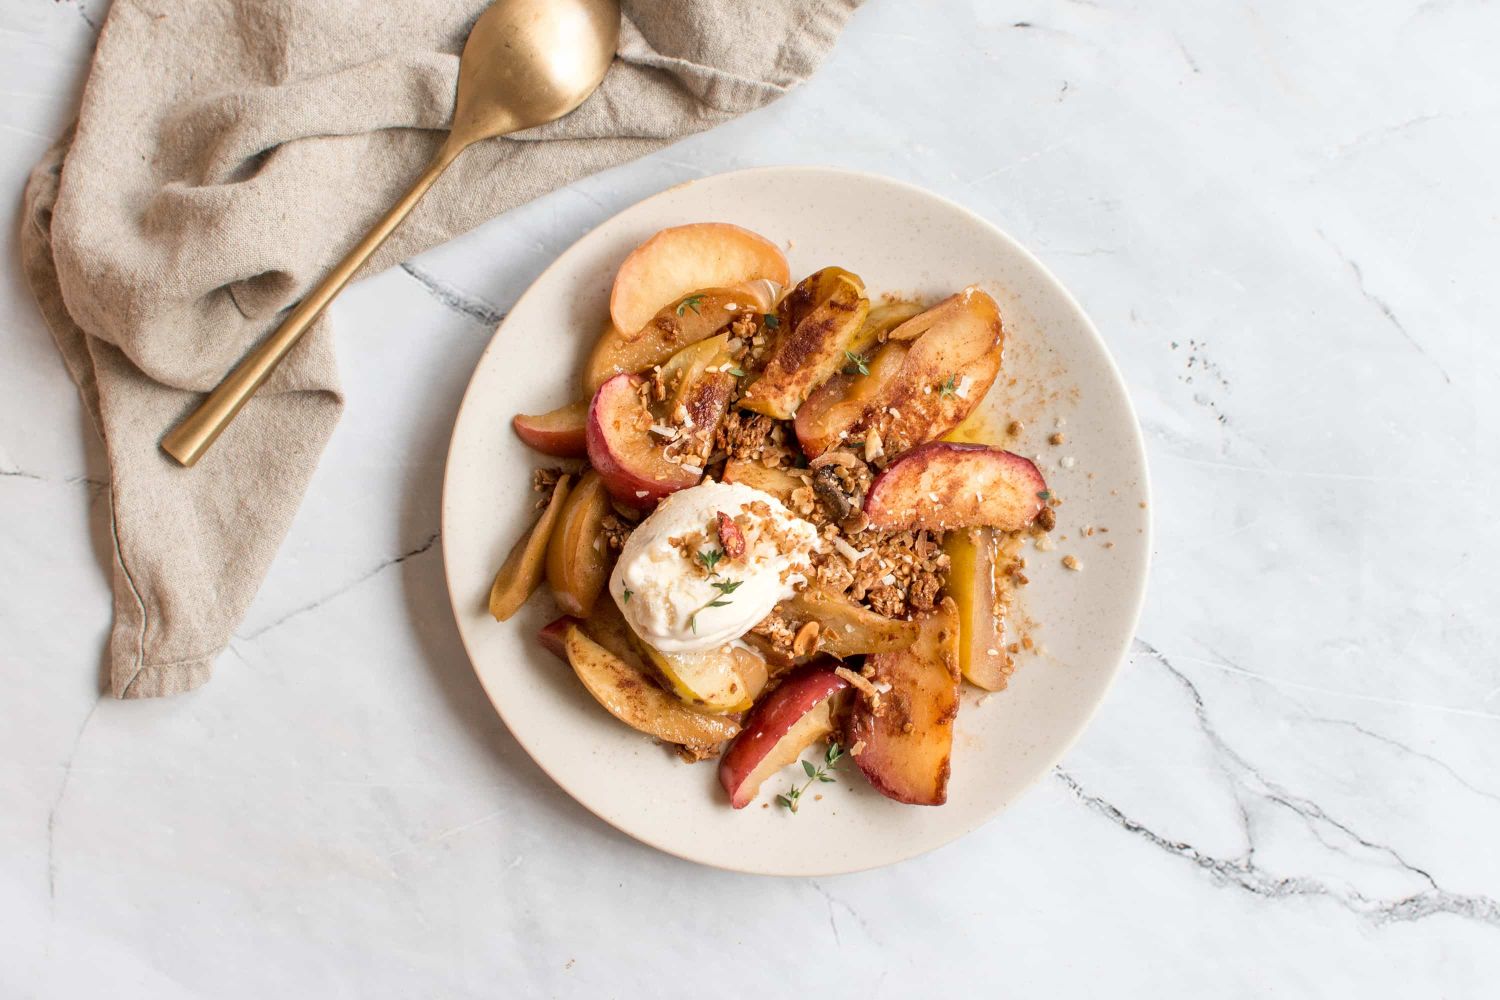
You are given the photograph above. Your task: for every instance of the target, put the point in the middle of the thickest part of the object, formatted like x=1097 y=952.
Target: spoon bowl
x=529 y=62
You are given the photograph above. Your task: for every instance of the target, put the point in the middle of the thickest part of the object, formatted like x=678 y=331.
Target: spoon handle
x=188 y=441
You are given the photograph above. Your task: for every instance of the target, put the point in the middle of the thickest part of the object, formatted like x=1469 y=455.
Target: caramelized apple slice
x=702 y=381
x=954 y=358
x=677 y=262
x=623 y=449
x=845 y=628
x=607 y=626
x=522 y=570
x=778 y=482
x=712 y=680
x=559 y=432
x=945 y=485
x=630 y=696
x=794 y=716
x=832 y=412
x=907 y=746
x=982 y=655
x=577 y=558
x=878 y=325
x=683 y=322
x=952 y=355
x=553 y=636
x=817 y=320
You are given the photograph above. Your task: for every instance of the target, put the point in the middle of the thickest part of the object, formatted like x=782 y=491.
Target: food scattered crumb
x=1014 y=428
x=1044 y=543
x=1109 y=545
x=1071 y=562
x=1143 y=505
x=1058 y=437
x=1067 y=461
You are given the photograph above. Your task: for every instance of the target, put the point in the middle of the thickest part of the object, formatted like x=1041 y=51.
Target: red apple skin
x=561 y=432
x=906 y=751
x=622 y=450
x=771 y=721
x=944 y=485
x=554 y=634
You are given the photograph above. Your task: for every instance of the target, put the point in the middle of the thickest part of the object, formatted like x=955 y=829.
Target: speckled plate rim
x=1118 y=653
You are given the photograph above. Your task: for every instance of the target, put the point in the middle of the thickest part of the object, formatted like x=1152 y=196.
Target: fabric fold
x=226 y=154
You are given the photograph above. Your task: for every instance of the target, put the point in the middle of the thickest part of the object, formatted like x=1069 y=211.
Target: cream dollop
x=678 y=583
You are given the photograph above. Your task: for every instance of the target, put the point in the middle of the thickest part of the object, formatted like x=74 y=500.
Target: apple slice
x=908 y=745
x=700 y=399
x=845 y=628
x=832 y=412
x=982 y=655
x=816 y=322
x=713 y=680
x=778 y=482
x=796 y=715
x=955 y=356
x=522 y=570
x=946 y=485
x=623 y=450
x=879 y=323
x=678 y=261
x=553 y=636
x=560 y=432
x=629 y=695
x=578 y=561
x=952 y=357
x=697 y=316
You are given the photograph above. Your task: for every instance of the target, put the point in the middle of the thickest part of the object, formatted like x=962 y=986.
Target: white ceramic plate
x=899 y=239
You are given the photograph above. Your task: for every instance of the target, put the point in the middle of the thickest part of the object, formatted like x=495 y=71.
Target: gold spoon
x=526 y=63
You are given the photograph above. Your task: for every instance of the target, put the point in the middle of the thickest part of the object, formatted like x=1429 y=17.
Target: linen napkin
x=226 y=154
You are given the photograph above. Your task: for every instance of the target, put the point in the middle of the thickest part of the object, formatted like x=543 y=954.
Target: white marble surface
x=1284 y=218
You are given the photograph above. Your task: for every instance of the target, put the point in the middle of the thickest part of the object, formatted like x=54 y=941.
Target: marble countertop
x=1284 y=219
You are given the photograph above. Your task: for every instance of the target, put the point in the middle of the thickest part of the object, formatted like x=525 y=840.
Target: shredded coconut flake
x=848 y=551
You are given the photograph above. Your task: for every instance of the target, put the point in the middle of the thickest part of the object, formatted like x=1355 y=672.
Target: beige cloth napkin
x=226 y=153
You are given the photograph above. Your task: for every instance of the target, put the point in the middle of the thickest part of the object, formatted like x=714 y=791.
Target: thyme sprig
x=858 y=364
x=792 y=797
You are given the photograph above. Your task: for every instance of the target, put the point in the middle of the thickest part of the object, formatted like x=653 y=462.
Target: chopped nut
x=1046 y=519
x=860 y=683
x=1014 y=428
x=1072 y=563
x=1058 y=437
x=806 y=639
x=731 y=538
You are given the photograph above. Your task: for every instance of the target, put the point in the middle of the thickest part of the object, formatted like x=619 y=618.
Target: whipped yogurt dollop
x=684 y=587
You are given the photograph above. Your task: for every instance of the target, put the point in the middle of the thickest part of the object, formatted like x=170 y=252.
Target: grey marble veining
x=1283 y=218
